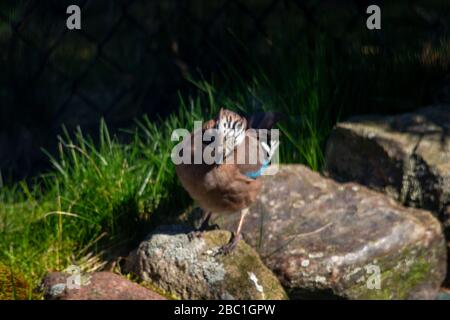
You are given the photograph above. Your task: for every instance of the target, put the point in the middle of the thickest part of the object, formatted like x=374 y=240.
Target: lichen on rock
x=190 y=268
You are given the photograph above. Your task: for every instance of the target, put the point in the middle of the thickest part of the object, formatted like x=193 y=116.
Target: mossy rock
x=13 y=285
x=405 y=277
x=330 y=240
x=192 y=269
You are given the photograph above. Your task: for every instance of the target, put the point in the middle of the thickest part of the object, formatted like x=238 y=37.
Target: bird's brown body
x=222 y=188
x=234 y=183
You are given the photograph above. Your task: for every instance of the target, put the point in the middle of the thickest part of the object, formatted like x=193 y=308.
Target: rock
x=444 y=294
x=95 y=286
x=406 y=156
x=191 y=269
x=329 y=240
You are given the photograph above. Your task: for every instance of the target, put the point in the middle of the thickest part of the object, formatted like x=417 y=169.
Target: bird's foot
x=231 y=245
x=194 y=234
x=198 y=233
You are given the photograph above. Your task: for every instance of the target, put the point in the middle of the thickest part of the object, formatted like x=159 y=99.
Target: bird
x=232 y=183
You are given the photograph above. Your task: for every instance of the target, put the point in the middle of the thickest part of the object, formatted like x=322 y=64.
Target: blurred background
x=137 y=57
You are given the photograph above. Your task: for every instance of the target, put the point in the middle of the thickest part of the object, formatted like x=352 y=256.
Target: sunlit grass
x=97 y=197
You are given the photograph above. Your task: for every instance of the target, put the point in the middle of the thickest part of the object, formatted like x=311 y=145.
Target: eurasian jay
x=242 y=152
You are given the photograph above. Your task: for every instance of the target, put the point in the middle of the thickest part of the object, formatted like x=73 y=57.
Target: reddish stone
x=101 y=286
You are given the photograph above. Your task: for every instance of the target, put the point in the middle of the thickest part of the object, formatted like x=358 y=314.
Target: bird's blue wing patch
x=258 y=173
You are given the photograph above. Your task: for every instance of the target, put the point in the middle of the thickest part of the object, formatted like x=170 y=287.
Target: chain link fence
x=131 y=56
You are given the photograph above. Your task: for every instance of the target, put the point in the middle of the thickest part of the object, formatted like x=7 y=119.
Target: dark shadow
x=314 y=294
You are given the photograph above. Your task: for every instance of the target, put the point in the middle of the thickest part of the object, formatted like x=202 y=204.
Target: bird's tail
x=264 y=120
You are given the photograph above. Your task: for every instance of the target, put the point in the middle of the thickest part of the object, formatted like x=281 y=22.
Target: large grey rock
x=191 y=269
x=326 y=239
x=406 y=156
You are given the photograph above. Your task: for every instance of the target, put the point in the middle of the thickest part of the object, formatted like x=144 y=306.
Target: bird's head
x=231 y=129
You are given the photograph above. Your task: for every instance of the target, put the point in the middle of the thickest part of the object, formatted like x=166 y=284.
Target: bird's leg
x=244 y=212
x=204 y=226
x=230 y=246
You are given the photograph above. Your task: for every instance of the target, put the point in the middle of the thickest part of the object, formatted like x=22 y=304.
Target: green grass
x=102 y=197
x=318 y=87
x=96 y=201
